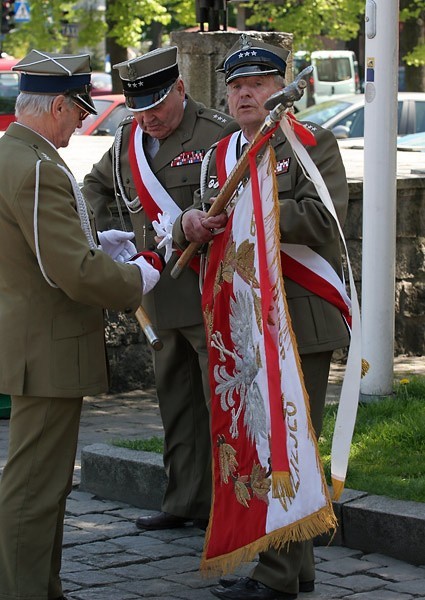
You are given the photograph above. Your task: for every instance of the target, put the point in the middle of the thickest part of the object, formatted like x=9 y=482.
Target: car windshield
x=101 y=106
x=320 y=113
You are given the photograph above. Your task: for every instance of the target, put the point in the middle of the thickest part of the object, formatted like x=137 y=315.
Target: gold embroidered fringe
x=337 y=487
x=282 y=485
x=323 y=521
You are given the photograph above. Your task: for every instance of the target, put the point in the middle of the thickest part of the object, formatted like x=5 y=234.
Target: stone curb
x=371 y=524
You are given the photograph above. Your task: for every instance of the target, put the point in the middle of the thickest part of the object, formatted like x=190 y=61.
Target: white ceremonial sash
x=348 y=402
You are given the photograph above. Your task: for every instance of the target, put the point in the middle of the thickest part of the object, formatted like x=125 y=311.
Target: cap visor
x=247 y=71
x=85 y=102
x=139 y=103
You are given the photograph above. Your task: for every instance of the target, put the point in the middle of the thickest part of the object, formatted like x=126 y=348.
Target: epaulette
x=313 y=127
x=128 y=119
x=214 y=115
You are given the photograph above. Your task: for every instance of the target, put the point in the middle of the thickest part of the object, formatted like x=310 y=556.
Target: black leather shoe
x=304 y=586
x=161 y=521
x=249 y=589
x=200 y=523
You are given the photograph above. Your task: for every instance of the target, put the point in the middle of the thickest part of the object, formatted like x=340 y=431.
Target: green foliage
x=128 y=19
x=153 y=444
x=411 y=9
x=388 y=448
x=411 y=12
x=308 y=19
x=45 y=29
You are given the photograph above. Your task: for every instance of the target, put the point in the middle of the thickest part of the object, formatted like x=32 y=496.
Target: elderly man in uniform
x=254 y=71
x=152 y=171
x=55 y=281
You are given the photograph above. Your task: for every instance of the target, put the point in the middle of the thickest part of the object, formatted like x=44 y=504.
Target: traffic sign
x=22 y=12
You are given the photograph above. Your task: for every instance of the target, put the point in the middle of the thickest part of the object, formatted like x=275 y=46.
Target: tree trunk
x=412 y=33
x=156 y=35
x=115 y=52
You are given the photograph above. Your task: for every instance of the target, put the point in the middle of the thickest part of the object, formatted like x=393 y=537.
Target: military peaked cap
x=250 y=56
x=148 y=79
x=46 y=73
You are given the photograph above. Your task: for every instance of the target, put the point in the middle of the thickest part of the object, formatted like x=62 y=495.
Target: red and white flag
x=268 y=488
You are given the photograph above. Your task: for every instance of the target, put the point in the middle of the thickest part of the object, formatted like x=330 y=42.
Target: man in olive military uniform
x=55 y=281
x=254 y=71
x=152 y=171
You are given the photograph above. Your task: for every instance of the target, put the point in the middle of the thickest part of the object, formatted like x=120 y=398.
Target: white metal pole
x=379 y=195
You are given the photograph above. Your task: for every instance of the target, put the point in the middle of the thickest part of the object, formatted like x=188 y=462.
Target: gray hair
x=34 y=105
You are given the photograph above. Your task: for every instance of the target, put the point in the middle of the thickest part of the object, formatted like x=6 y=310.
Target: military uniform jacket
x=304 y=219
x=172 y=303
x=51 y=338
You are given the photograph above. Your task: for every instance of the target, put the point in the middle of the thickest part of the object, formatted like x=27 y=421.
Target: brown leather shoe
x=162 y=520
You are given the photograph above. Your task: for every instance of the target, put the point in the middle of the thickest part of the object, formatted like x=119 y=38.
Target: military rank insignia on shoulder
x=311 y=126
x=190 y=157
x=127 y=119
x=215 y=116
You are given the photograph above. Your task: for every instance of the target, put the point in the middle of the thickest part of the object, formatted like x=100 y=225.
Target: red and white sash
x=299 y=262
x=152 y=195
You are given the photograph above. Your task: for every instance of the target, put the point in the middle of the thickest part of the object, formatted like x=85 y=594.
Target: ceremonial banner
x=268 y=488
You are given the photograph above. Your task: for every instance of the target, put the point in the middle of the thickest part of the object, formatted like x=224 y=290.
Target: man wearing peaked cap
x=55 y=282
x=254 y=71
x=152 y=172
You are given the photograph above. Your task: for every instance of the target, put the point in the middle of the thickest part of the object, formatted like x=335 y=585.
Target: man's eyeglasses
x=83 y=113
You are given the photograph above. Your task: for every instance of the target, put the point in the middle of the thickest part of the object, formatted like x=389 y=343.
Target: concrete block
x=130 y=476
x=330 y=539
x=392 y=527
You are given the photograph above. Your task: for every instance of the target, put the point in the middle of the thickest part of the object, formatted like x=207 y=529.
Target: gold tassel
x=365 y=367
x=281 y=485
x=338 y=488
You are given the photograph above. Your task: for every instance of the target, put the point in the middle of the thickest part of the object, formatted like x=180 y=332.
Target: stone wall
x=409 y=298
x=201 y=52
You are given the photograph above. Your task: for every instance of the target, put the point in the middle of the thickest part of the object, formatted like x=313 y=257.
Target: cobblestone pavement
x=107 y=558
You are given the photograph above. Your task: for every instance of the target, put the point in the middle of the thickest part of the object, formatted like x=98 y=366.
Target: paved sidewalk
x=107 y=558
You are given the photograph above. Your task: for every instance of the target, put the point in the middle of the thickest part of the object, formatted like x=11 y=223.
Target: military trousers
x=36 y=480
x=283 y=570
x=182 y=384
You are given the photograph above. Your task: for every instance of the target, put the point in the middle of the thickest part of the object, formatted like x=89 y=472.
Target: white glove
x=163 y=228
x=150 y=275
x=117 y=244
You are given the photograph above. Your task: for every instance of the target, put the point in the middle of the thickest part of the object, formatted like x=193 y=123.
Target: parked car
x=101 y=83
x=414 y=142
x=9 y=90
x=344 y=115
x=111 y=110
x=335 y=72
